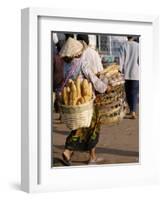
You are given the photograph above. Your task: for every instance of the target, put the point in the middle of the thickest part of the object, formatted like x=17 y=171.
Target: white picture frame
x=36 y=171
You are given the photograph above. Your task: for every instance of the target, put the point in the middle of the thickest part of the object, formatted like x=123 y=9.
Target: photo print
x=95 y=99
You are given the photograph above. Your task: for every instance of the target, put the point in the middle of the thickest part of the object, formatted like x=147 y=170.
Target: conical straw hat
x=71 y=48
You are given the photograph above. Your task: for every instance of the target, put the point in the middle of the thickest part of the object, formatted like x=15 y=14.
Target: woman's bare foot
x=133 y=115
x=92 y=154
x=66 y=155
x=95 y=161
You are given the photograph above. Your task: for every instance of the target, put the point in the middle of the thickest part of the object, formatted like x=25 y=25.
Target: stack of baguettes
x=77 y=104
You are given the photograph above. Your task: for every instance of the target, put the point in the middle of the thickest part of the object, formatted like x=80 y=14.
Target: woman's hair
x=129 y=37
x=67 y=35
x=67 y=59
x=83 y=37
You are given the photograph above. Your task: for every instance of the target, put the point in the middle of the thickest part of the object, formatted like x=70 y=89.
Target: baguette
x=64 y=95
x=78 y=87
x=85 y=88
x=73 y=96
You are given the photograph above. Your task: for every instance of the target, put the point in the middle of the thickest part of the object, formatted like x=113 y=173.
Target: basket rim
x=77 y=106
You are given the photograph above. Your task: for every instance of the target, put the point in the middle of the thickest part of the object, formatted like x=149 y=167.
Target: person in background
x=130 y=68
x=92 y=41
x=82 y=139
x=58 y=75
x=59 y=40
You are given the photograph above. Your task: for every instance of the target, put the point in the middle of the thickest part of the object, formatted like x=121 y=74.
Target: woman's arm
x=99 y=85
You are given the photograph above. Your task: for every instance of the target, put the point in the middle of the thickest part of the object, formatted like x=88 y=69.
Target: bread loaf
x=73 y=96
x=109 y=69
x=68 y=95
x=86 y=99
x=85 y=88
x=78 y=87
x=90 y=90
x=64 y=95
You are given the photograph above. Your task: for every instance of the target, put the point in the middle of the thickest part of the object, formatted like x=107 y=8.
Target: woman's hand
x=109 y=88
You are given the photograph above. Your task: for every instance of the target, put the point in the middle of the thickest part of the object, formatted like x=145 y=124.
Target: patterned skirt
x=84 y=139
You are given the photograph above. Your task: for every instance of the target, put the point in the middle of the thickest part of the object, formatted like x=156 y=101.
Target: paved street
x=117 y=144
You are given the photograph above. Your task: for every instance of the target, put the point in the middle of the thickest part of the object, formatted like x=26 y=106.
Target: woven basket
x=110 y=115
x=77 y=116
x=111 y=106
x=110 y=120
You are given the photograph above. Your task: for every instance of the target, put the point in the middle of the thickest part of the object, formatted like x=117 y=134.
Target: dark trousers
x=132 y=93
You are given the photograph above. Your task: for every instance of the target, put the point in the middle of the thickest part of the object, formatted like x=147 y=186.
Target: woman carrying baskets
x=76 y=65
